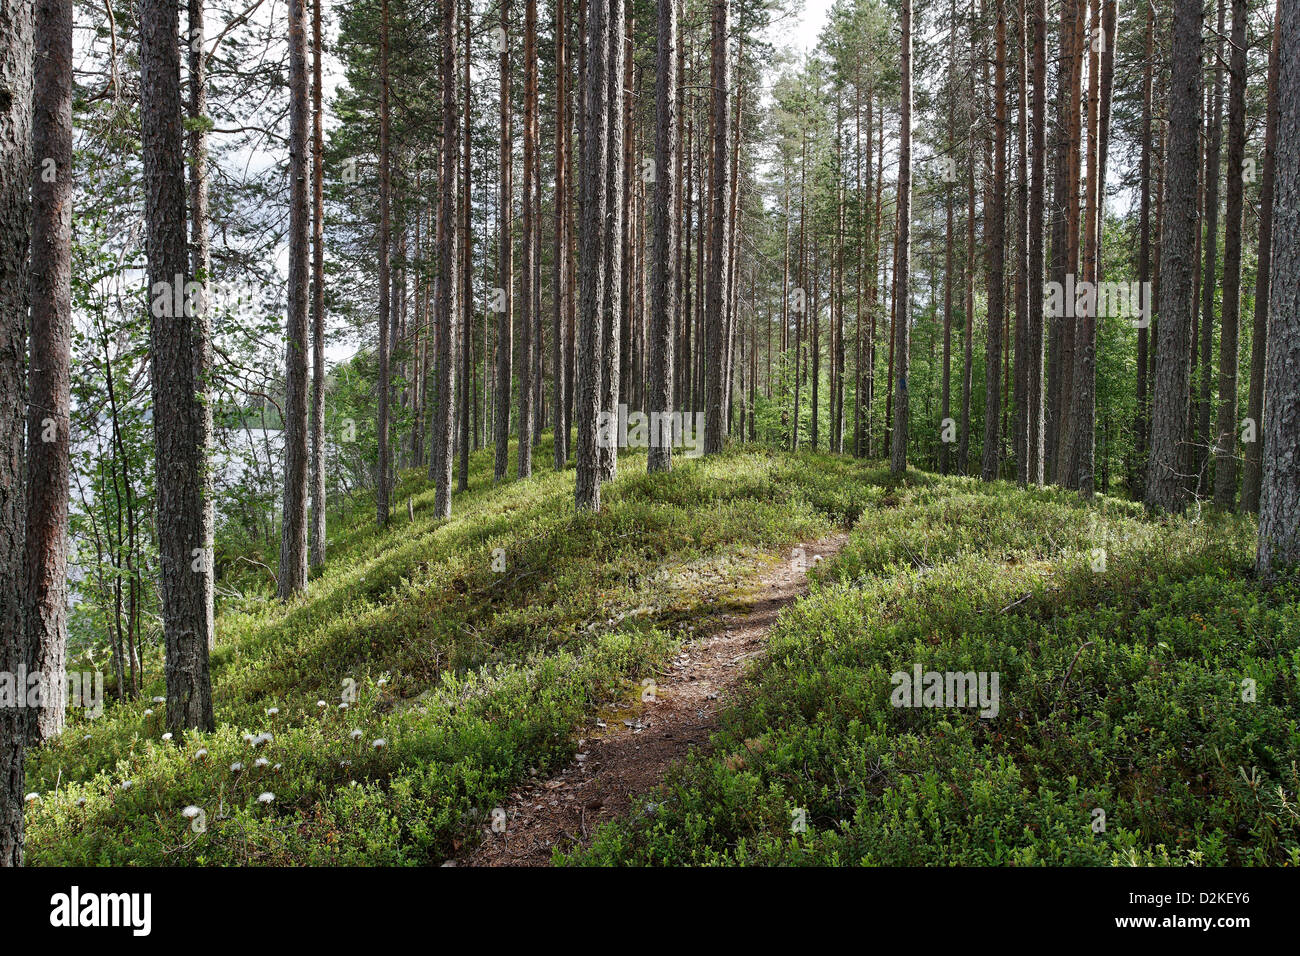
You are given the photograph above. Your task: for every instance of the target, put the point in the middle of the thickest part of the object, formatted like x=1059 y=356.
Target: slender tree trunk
x=1038 y=163
x=49 y=368
x=318 y=537
x=444 y=421
x=560 y=263
x=902 y=310
x=589 y=360
x=995 y=228
x=716 y=319
x=663 y=274
x=201 y=260
x=1142 y=423
x=1253 y=471
x=384 y=278
x=1279 y=511
x=180 y=457
x=16 y=55
x=468 y=403
x=1214 y=142
x=1225 y=442
x=293 y=528
x=615 y=199
x=1165 y=489
x=529 y=263
x=505 y=270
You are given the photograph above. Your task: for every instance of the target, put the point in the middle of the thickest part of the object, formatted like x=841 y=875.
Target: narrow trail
x=625 y=754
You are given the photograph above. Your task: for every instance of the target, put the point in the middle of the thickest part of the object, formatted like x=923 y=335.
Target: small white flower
x=266 y=798
x=272 y=711
x=321 y=704
x=148 y=713
x=126 y=785
x=200 y=753
x=276 y=768
x=81 y=801
x=167 y=736
x=236 y=767
x=87 y=737
x=382 y=681
x=380 y=744
x=190 y=813
x=31 y=797
x=262 y=739
x=343 y=706
x=160 y=700
x=356 y=735
x=260 y=762
x=248 y=739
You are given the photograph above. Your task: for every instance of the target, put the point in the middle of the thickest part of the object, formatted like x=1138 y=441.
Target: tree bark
x=1253 y=471
x=49 y=367
x=318 y=536
x=1165 y=489
x=16 y=55
x=505 y=268
x=293 y=529
x=719 y=187
x=179 y=453
x=902 y=312
x=591 y=265
x=663 y=265
x=1279 y=509
x=444 y=420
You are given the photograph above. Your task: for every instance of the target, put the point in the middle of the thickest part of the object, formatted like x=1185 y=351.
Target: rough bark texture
x=1253 y=471
x=384 y=278
x=201 y=261
x=715 y=424
x=591 y=265
x=179 y=453
x=560 y=250
x=613 y=238
x=1038 y=163
x=293 y=526
x=995 y=229
x=1165 y=486
x=49 y=371
x=529 y=264
x=16 y=29
x=663 y=258
x=444 y=416
x=902 y=312
x=318 y=538
x=1225 y=439
x=505 y=264
x=1279 y=507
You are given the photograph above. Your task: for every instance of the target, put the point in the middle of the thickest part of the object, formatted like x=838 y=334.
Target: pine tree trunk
x=16 y=56
x=1165 y=489
x=902 y=311
x=505 y=268
x=716 y=319
x=469 y=401
x=1038 y=167
x=1225 y=441
x=444 y=420
x=201 y=261
x=663 y=265
x=318 y=536
x=1279 y=509
x=49 y=367
x=384 y=278
x=589 y=360
x=995 y=229
x=615 y=225
x=293 y=528
x=560 y=262
x=179 y=455
x=1253 y=471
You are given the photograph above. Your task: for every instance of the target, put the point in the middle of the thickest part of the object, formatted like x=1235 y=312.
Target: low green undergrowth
x=378 y=718
x=1146 y=712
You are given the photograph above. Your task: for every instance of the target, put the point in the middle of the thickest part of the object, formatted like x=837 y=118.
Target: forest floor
x=629 y=749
